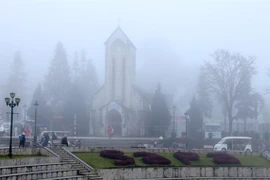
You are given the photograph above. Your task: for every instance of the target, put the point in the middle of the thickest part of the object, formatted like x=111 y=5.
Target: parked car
x=234 y=143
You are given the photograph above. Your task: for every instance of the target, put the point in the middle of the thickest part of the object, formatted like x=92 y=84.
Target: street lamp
x=35 y=134
x=12 y=104
x=187 y=119
x=174 y=132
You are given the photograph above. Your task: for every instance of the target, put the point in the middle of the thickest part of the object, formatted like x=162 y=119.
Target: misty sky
x=190 y=30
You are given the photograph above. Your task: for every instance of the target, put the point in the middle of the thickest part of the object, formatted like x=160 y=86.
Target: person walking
x=64 y=141
x=22 y=140
x=46 y=139
x=110 y=131
x=54 y=137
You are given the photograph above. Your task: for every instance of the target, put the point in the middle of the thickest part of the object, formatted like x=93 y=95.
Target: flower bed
x=213 y=154
x=152 y=158
x=223 y=158
x=186 y=157
x=121 y=159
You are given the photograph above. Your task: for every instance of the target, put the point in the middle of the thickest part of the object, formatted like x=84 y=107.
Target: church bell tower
x=120 y=65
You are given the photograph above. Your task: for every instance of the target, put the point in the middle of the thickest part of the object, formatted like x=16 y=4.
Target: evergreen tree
x=83 y=86
x=204 y=98
x=16 y=80
x=88 y=82
x=58 y=81
x=76 y=104
x=160 y=115
x=43 y=111
x=248 y=107
x=75 y=68
x=196 y=117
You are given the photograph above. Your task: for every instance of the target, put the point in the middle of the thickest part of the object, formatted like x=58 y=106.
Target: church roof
x=115 y=31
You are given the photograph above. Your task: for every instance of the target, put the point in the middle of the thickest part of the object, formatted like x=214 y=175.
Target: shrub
x=127 y=161
x=152 y=158
x=226 y=160
x=213 y=154
x=223 y=158
x=122 y=160
x=186 y=157
x=141 y=154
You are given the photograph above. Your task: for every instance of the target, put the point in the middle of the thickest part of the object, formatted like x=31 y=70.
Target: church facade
x=119 y=102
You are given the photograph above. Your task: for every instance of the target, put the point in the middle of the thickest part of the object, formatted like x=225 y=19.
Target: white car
x=239 y=144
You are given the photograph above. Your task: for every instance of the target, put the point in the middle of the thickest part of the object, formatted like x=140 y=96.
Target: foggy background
x=174 y=37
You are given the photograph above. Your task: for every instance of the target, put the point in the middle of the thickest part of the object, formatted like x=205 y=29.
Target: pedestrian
x=64 y=141
x=54 y=137
x=22 y=139
x=46 y=139
x=110 y=131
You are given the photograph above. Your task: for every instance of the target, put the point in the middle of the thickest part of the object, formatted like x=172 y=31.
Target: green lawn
x=99 y=162
x=20 y=156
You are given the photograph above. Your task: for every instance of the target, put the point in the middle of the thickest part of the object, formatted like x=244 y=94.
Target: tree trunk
x=230 y=118
x=225 y=123
x=230 y=122
x=230 y=125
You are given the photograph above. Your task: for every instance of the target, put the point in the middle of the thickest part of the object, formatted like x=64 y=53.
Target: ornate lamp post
x=35 y=133
x=187 y=119
x=12 y=104
x=174 y=132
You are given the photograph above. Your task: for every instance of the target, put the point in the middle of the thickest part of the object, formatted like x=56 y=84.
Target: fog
x=167 y=34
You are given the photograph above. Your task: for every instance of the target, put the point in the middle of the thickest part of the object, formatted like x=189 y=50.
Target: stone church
x=119 y=102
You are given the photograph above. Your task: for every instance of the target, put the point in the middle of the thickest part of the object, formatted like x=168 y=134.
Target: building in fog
x=119 y=102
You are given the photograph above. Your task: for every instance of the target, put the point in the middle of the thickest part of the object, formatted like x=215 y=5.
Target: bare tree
x=226 y=76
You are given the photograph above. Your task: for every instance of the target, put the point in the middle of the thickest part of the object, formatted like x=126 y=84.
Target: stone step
x=69 y=178
x=90 y=175
x=33 y=167
x=42 y=174
x=68 y=160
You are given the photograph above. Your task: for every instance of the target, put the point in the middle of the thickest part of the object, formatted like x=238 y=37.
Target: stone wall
x=30 y=160
x=25 y=151
x=184 y=172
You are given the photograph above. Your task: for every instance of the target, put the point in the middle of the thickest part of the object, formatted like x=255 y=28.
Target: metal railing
x=78 y=159
x=50 y=151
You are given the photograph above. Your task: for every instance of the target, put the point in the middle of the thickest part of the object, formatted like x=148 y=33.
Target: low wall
x=184 y=172
x=25 y=151
x=30 y=160
x=164 y=150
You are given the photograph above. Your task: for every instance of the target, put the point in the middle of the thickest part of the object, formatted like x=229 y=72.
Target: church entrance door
x=114 y=119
